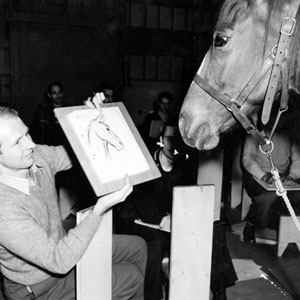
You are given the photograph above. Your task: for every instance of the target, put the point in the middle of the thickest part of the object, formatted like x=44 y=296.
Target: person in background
x=37 y=256
x=108 y=89
x=46 y=130
x=45 y=127
x=155 y=119
x=266 y=206
x=151 y=202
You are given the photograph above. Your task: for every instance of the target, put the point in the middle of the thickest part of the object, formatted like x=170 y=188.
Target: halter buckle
x=288 y=26
x=233 y=101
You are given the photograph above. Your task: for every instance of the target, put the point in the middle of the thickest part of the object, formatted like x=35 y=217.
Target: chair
x=288 y=233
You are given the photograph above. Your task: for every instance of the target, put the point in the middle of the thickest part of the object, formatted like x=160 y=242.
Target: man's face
x=16 y=150
x=164 y=104
x=109 y=95
x=56 y=95
x=170 y=140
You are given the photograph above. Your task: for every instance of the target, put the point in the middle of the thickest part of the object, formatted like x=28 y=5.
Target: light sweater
x=33 y=243
x=286 y=157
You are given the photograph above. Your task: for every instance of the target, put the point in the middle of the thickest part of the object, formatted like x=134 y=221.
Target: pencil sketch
x=98 y=128
x=110 y=156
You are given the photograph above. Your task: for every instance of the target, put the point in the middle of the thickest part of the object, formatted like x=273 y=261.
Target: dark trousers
x=128 y=269
x=158 y=243
x=222 y=270
x=223 y=273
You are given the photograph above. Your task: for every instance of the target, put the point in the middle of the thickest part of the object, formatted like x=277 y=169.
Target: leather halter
x=235 y=105
x=277 y=61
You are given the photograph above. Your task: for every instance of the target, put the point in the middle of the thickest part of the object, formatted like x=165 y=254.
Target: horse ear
x=98 y=100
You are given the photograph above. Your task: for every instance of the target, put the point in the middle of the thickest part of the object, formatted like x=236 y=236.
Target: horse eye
x=220 y=41
x=108 y=129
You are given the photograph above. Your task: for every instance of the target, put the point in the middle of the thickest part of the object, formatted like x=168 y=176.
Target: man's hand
x=287 y=180
x=166 y=223
x=95 y=101
x=268 y=178
x=106 y=202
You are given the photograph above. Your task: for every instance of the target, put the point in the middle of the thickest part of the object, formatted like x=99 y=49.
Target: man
x=45 y=127
x=266 y=206
x=55 y=92
x=37 y=257
x=107 y=88
x=155 y=119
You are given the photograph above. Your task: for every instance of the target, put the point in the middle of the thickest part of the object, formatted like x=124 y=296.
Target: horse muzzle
x=197 y=135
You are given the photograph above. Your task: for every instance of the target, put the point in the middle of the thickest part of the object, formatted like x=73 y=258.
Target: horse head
x=237 y=69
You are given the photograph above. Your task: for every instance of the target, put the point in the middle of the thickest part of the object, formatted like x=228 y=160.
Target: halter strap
x=234 y=105
x=286 y=31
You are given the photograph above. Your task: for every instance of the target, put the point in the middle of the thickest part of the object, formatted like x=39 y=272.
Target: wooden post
x=93 y=272
x=210 y=171
x=191 y=246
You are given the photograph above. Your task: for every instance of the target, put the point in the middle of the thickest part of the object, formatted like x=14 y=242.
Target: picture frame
x=108 y=146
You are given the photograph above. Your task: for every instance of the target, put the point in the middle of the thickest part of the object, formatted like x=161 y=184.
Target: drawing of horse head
x=98 y=128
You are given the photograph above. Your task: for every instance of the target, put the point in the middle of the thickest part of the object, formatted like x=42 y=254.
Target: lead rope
x=280 y=190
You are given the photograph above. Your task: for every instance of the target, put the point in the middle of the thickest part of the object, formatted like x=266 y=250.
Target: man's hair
x=54 y=83
x=165 y=94
x=6 y=111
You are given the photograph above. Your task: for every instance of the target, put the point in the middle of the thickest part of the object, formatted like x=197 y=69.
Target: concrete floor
x=263 y=275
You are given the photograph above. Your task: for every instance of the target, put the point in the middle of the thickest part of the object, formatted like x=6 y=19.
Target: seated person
x=161 y=113
x=266 y=206
x=45 y=127
x=151 y=202
x=46 y=130
x=108 y=89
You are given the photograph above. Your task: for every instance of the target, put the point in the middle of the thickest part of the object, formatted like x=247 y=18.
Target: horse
x=253 y=59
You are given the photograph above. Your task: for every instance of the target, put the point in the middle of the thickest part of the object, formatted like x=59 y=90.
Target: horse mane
x=230 y=11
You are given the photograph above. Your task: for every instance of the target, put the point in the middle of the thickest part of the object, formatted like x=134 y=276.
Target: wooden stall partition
x=191 y=246
x=210 y=171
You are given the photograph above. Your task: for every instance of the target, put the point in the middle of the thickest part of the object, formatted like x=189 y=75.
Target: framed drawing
x=107 y=145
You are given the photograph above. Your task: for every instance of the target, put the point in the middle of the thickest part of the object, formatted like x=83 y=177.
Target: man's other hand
x=108 y=201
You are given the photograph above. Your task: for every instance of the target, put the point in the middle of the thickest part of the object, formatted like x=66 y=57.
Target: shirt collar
x=21 y=184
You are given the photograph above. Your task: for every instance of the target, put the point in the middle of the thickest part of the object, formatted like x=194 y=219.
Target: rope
x=280 y=190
